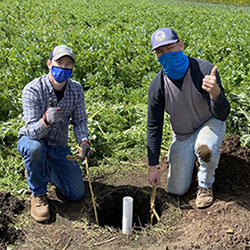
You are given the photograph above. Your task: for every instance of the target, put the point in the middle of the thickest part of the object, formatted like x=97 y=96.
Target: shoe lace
x=202 y=190
x=42 y=200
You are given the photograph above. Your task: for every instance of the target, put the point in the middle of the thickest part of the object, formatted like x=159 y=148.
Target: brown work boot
x=40 y=208
x=205 y=197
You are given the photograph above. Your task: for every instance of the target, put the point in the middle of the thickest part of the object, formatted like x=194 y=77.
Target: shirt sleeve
x=79 y=118
x=221 y=107
x=32 y=111
x=155 y=120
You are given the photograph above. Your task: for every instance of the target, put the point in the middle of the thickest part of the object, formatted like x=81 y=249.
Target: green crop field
x=111 y=40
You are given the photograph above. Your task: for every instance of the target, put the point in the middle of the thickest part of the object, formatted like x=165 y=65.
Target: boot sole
x=40 y=219
x=206 y=205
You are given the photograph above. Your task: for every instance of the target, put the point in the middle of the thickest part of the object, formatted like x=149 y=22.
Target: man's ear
x=181 y=44
x=155 y=53
x=49 y=64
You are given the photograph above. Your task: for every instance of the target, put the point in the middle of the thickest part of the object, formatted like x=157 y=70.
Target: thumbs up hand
x=209 y=84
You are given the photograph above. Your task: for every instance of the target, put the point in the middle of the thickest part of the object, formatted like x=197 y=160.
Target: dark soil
x=224 y=225
x=9 y=207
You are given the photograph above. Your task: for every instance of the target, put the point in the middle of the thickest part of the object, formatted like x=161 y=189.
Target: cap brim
x=164 y=43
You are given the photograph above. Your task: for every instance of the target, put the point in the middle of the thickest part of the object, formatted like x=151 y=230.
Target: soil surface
x=10 y=206
x=224 y=225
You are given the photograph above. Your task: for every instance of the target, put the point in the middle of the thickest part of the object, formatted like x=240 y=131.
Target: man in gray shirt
x=190 y=91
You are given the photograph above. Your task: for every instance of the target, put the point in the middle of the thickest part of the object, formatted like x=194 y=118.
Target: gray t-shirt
x=187 y=108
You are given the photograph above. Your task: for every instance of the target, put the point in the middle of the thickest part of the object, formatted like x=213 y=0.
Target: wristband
x=45 y=120
x=85 y=141
x=45 y=124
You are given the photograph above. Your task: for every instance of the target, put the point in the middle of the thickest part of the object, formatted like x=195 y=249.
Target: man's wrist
x=45 y=124
x=215 y=95
x=44 y=118
x=155 y=166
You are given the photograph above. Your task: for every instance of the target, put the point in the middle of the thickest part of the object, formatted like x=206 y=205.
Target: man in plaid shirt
x=50 y=103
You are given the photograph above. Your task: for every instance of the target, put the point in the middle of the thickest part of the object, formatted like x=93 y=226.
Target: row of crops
x=111 y=40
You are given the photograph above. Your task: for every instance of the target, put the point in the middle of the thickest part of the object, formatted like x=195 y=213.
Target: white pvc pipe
x=127 y=214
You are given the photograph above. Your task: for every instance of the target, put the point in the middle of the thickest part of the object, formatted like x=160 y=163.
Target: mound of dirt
x=10 y=206
x=225 y=225
x=233 y=173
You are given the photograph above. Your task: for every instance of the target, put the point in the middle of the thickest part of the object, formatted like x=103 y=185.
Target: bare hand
x=210 y=85
x=154 y=175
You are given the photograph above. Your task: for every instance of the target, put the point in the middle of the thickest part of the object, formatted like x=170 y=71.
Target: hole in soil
x=110 y=205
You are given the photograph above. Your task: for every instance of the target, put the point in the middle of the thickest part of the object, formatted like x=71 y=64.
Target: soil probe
x=74 y=158
x=91 y=190
x=152 y=205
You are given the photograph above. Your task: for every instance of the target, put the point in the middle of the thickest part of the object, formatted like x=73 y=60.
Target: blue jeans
x=45 y=163
x=182 y=156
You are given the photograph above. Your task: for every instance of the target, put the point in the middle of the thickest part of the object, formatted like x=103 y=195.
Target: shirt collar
x=49 y=84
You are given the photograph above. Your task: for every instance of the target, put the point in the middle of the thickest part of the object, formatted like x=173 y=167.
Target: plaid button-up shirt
x=36 y=100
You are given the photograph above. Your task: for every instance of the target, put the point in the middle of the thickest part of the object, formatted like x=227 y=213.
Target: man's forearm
x=37 y=130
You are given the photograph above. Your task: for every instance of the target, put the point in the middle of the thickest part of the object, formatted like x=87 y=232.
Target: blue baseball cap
x=163 y=36
x=60 y=51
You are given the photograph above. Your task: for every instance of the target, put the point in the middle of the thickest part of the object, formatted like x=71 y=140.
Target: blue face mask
x=175 y=64
x=61 y=74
